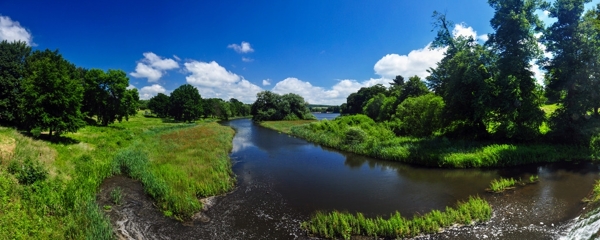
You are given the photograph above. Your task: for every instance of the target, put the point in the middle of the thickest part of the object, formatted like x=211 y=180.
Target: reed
x=345 y=225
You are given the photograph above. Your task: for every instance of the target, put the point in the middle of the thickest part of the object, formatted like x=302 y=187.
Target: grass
x=502 y=184
x=284 y=126
x=357 y=135
x=346 y=225
x=62 y=204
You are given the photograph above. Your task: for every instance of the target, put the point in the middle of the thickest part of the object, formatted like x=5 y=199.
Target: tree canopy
x=271 y=106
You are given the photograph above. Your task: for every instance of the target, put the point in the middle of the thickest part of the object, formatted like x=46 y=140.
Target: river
x=283 y=180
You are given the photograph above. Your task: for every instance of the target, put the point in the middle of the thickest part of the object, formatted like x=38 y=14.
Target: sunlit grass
x=345 y=225
x=284 y=126
x=502 y=184
x=63 y=206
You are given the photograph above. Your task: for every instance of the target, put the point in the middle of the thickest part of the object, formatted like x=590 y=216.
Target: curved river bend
x=282 y=180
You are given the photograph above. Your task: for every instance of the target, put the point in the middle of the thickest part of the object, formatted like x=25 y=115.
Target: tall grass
x=502 y=184
x=345 y=225
x=62 y=205
x=380 y=142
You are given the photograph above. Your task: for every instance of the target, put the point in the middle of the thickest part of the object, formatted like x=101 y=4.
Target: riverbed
x=283 y=180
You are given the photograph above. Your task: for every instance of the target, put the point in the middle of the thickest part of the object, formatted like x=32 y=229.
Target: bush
x=355 y=135
x=28 y=172
x=420 y=116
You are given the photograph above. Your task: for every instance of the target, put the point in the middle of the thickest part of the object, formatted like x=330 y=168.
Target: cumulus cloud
x=214 y=81
x=153 y=67
x=243 y=48
x=414 y=63
x=245 y=59
x=266 y=82
x=13 y=31
x=467 y=31
x=336 y=95
x=148 y=92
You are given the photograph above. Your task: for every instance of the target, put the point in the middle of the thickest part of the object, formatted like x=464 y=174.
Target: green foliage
x=595 y=146
x=116 y=195
x=382 y=143
x=502 y=184
x=12 y=70
x=28 y=172
x=52 y=94
x=419 y=116
x=186 y=103
x=517 y=104
x=355 y=102
x=106 y=96
x=346 y=225
x=159 y=105
x=573 y=72
x=270 y=106
x=355 y=135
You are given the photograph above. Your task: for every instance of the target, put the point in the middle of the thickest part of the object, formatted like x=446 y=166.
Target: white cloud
x=214 y=81
x=176 y=58
x=148 y=92
x=243 y=48
x=318 y=95
x=245 y=59
x=153 y=67
x=467 y=31
x=415 y=63
x=266 y=82
x=130 y=87
x=13 y=31
x=144 y=71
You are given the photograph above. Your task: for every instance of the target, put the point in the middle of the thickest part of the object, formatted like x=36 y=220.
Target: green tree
x=463 y=78
x=356 y=101
x=270 y=106
x=517 y=112
x=571 y=70
x=419 y=116
x=413 y=88
x=52 y=97
x=12 y=66
x=186 y=103
x=106 y=96
x=159 y=105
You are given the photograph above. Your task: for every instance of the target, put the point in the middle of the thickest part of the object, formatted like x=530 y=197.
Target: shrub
x=355 y=135
x=420 y=116
x=28 y=172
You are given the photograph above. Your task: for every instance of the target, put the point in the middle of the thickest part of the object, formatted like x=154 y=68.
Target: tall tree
x=52 y=97
x=518 y=112
x=12 y=65
x=186 y=103
x=106 y=96
x=356 y=101
x=159 y=105
x=463 y=79
x=572 y=44
x=272 y=106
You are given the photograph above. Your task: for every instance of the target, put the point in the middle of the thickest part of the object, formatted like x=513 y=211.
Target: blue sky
x=322 y=50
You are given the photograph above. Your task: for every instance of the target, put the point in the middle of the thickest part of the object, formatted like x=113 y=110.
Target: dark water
x=282 y=180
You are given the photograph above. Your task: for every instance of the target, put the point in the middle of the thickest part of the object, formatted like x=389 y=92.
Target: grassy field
x=47 y=189
x=284 y=126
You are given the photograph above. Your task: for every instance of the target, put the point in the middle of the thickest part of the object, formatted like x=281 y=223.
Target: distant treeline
x=41 y=91
x=324 y=108
x=186 y=104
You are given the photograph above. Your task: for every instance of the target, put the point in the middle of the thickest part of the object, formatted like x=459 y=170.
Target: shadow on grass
x=54 y=139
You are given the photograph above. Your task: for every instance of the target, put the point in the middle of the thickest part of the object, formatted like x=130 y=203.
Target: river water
x=282 y=181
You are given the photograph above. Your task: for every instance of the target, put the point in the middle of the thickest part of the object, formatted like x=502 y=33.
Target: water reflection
x=298 y=178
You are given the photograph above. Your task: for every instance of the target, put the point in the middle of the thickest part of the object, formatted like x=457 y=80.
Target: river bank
x=48 y=189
